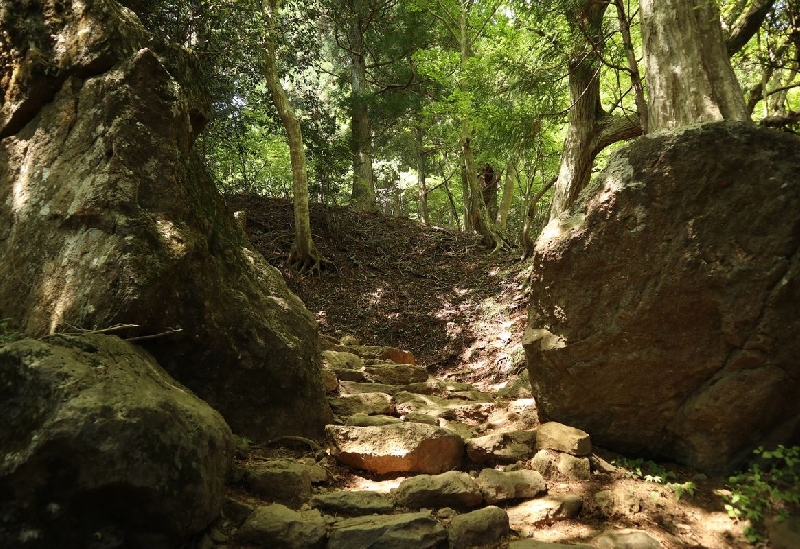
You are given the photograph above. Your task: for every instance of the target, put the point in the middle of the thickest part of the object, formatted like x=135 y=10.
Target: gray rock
x=278 y=526
x=128 y=228
x=354 y=503
x=533 y=544
x=236 y=510
x=280 y=481
x=471 y=413
x=574 y=468
x=502 y=447
x=703 y=315
x=416 y=417
x=363 y=403
x=407 y=447
x=626 y=539
x=498 y=486
x=354 y=388
x=330 y=380
x=563 y=438
x=450 y=489
x=784 y=534
x=96 y=433
x=396 y=374
x=545 y=462
x=406 y=531
x=363 y=420
x=346 y=374
x=526 y=515
x=340 y=360
x=478 y=528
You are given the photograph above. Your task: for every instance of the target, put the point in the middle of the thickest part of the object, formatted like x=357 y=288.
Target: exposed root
x=311 y=263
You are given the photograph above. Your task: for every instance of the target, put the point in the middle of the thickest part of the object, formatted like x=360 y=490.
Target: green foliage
x=7 y=334
x=770 y=485
x=651 y=471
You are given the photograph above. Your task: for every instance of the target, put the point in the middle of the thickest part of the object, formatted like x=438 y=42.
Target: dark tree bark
x=591 y=129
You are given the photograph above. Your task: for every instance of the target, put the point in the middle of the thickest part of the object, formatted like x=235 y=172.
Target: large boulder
x=664 y=315
x=100 y=447
x=107 y=218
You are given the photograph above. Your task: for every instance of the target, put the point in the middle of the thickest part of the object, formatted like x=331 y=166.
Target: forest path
x=462 y=313
x=397 y=282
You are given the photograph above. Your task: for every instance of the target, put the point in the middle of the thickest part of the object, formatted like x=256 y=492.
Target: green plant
x=7 y=335
x=770 y=485
x=651 y=471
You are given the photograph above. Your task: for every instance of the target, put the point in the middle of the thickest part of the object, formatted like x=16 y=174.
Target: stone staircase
x=413 y=462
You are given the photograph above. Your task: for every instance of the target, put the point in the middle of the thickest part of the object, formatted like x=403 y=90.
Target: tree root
x=311 y=263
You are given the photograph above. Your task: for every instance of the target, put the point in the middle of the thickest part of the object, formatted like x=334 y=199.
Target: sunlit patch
x=20 y=193
x=381 y=486
x=171 y=237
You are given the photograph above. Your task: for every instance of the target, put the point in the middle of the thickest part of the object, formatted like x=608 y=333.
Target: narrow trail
x=398 y=285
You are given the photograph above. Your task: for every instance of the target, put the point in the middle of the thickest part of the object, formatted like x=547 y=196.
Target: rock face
x=664 y=313
x=98 y=443
x=106 y=217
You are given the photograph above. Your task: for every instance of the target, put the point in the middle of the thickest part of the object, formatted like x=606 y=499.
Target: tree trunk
x=421 y=187
x=689 y=74
x=590 y=129
x=633 y=65
x=478 y=214
x=363 y=194
x=303 y=256
x=512 y=176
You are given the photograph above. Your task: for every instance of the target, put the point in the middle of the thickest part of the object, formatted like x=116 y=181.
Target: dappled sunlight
x=380 y=486
x=171 y=237
x=20 y=192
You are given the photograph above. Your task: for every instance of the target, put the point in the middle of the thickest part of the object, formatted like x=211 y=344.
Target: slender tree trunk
x=512 y=177
x=466 y=193
x=363 y=194
x=633 y=65
x=421 y=187
x=590 y=128
x=303 y=255
x=478 y=214
x=689 y=74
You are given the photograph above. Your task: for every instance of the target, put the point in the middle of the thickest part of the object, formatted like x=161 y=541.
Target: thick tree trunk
x=363 y=194
x=590 y=128
x=303 y=256
x=689 y=74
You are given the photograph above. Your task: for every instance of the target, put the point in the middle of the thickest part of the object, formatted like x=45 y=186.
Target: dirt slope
x=397 y=282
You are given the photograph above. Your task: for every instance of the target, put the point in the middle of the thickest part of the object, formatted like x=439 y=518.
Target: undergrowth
x=651 y=471
x=7 y=334
x=770 y=486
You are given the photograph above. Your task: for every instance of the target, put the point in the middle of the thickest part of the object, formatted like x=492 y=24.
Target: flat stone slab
x=352 y=503
x=524 y=517
x=398 y=448
x=406 y=531
x=364 y=403
x=498 y=486
x=478 y=528
x=281 y=480
x=278 y=526
x=450 y=489
x=563 y=438
x=502 y=447
x=396 y=374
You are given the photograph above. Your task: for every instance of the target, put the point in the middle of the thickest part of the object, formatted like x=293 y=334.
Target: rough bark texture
x=105 y=218
x=363 y=195
x=664 y=314
x=99 y=444
x=689 y=74
x=590 y=128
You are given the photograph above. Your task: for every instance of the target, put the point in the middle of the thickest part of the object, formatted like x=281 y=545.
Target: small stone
x=626 y=539
x=450 y=489
x=563 y=438
x=478 y=528
x=498 y=486
x=278 y=526
x=413 y=530
x=574 y=468
x=282 y=481
x=352 y=503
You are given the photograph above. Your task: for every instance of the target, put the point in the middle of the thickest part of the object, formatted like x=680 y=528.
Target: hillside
x=435 y=292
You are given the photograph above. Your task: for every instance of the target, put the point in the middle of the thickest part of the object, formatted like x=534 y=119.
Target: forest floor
x=462 y=312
